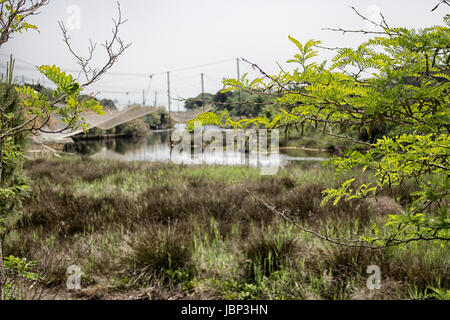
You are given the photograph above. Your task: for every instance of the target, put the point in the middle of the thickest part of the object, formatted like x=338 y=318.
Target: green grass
x=151 y=230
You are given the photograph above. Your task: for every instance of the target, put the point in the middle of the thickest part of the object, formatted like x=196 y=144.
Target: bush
x=266 y=251
x=165 y=251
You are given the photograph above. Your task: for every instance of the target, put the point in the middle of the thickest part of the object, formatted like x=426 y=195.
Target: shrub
x=165 y=251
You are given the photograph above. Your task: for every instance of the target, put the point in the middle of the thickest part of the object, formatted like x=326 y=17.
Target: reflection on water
x=155 y=147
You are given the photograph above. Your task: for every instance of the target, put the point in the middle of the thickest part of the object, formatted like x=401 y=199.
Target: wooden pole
x=203 y=93
x=168 y=99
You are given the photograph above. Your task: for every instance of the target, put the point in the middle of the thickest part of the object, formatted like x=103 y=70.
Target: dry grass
x=149 y=230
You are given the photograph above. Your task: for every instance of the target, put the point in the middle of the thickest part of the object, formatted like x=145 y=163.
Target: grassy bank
x=156 y=231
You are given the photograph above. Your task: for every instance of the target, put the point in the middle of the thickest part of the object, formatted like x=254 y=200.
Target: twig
x=92 y=74
x=390 y=242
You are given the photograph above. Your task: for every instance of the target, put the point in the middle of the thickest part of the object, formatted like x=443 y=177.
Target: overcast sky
x=168 y=35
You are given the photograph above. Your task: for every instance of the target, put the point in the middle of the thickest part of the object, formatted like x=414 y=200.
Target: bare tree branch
x=11 y=21
x=92 y=74
x=114 y=48
x=441 y=2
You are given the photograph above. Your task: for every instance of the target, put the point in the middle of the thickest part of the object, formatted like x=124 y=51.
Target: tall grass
x=151 y=230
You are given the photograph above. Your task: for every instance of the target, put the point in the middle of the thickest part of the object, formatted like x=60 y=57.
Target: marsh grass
x=268 y=249
x=152 y=230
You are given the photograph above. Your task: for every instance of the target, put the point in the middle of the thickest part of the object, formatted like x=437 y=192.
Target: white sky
x=168 y=35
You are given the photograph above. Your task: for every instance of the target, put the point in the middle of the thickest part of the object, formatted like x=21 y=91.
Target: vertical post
x=203 y=93
x=143 y=97
x=238 y=77
x=168 y=99
x=237 y=67
x=155 y=104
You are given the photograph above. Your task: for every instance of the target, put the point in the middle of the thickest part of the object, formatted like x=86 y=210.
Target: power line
x=118 y=80
x=202 y=65
x=177 y=83
x=18 y=59
x=24 y=68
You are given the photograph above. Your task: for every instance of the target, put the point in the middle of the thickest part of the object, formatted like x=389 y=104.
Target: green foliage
x=22 y=110
x=20 y=105
x=157 y=120
x=236 y=104
x=12 y=184
x=20 y=275
x=67 y=91
x=242 y=104
x=440 y=294
x=198 y=101
x=130 y=128
x=18 y=23
x=399 y=79
x=108 y=104
x=20 y=267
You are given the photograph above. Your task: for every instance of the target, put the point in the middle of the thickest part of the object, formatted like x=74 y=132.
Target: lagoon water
x=156 y=147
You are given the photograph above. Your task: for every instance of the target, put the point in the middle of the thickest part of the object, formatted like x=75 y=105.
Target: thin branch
x=323 y=237
x=441 y=2
x=92 y=74
x=344 y=31
x=351 y=243
x=16 y=16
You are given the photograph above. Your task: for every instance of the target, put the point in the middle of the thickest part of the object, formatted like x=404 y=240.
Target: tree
x=241 y=104
x=37 y=108
x=108 y=103
x=398 y=79
x=132 y=128
x=198 y=101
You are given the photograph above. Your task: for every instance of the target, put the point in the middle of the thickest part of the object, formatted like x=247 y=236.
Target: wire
x=118 y=80
x=177 y=82
x=125 y=73
x=114 y=91
x=202 y=65
x=18 y=59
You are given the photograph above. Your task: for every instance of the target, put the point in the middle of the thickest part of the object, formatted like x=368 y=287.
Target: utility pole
x=237 y=67
x=143 y=97
x=168 y=98
x=203 y=93
x=156 y=94
x=238 y=77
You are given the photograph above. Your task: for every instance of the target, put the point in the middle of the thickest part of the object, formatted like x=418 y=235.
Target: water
x=156 y=147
